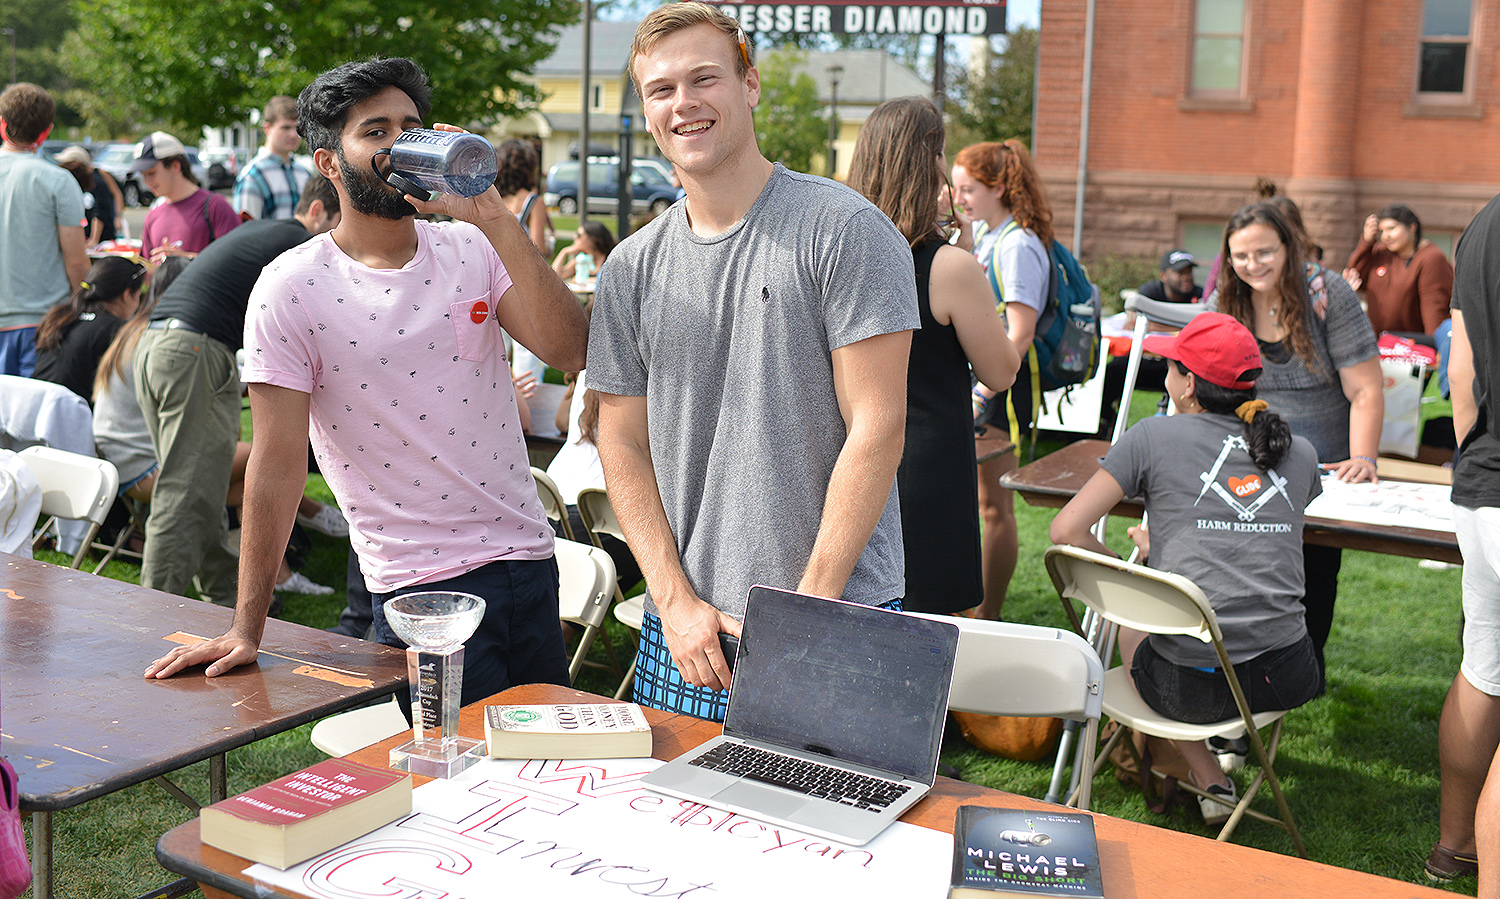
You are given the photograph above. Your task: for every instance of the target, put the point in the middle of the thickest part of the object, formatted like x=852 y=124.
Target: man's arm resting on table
x=274 y=480
x=690 y=626
x=869 y=377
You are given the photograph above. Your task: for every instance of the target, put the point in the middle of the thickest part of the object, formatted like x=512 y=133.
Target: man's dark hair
x=324 y=105
x=183 y=165
x=318 y=188
x=27 y=110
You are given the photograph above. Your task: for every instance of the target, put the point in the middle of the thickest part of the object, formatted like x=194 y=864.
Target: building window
x=597 y=101
x=1204 y=240
x=1443 y=69
x=1218 y=47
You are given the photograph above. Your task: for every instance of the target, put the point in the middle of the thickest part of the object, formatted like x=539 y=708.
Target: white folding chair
x=630 y=613
x=74 y=488
x=346 y=732
x=41 y=413
x=1159 y=602
x=598 y=520
x=1023 y=670
x=552 y=502
x=586 y=582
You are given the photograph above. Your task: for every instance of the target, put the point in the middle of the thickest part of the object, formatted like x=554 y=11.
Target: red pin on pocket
x=479 y=312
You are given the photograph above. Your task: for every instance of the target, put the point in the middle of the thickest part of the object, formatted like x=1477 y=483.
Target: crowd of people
x=764 y=409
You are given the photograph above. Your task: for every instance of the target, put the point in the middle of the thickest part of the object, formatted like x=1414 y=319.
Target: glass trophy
x=434 y=627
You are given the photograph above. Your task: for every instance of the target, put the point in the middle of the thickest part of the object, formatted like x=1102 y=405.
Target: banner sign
x=882 y=17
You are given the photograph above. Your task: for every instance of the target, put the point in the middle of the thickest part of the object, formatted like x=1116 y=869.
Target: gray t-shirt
x=1227 y=526
x=1313 y=402
x=729 y=339
x=36 y=198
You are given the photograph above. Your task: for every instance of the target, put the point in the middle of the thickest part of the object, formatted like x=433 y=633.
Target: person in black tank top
x=899 y=165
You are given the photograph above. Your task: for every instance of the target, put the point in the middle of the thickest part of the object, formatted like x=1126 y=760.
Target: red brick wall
x=1354 y=142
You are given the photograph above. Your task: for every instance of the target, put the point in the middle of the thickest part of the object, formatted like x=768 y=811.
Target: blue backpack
x=1065 y=350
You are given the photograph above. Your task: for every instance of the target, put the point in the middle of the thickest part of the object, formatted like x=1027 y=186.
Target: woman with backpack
x=996 y=186
x=900 y=166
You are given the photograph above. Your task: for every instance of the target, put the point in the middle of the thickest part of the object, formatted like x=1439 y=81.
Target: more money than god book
x=567 y=731
x=293 y=818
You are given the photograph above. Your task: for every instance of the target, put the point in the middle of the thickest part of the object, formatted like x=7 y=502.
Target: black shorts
x=1274 y=680
x=997 y=414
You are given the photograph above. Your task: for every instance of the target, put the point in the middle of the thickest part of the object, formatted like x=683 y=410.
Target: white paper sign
x=589 y=829
x=1391 y=503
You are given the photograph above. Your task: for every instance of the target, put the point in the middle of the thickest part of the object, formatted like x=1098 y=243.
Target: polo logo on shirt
x=1244 y=487
x=479 y=312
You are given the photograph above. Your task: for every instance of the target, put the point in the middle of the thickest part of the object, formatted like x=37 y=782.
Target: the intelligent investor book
x=1037 y=853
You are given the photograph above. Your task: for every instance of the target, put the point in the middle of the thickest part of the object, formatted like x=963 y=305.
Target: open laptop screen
x=848 y=681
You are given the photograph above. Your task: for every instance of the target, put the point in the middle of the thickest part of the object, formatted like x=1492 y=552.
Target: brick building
x=1347 y=105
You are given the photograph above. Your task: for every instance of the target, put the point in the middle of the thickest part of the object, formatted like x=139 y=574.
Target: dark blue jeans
x=519 y=641
x=1274 y=680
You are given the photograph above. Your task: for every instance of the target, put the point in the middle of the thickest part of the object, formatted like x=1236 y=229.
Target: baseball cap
x=1178 y=259
x=1213 y=346
x=157 y=146
x=72 y=154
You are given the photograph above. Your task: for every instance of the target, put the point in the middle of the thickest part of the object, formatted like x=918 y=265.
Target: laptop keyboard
x=809 y=778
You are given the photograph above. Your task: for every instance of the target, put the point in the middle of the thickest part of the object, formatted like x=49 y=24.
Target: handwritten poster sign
x=588 y=828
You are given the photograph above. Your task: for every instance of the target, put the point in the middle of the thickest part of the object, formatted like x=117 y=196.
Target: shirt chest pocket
x=475 y=328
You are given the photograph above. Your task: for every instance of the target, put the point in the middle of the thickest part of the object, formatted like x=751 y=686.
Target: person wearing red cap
x=1226 y=485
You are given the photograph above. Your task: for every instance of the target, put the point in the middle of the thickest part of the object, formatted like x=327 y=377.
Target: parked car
x=650 y=189
x=224 y=164
x=117 y=159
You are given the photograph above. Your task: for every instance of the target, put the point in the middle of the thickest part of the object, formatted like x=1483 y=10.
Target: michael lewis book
x=296 y=817
x=1046 y=853
x=567 y=731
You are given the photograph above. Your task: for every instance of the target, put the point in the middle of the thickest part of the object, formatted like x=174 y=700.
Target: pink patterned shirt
x=414 y=419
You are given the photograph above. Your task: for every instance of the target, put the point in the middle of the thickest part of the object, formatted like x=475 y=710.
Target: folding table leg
x=41 y=855
x=218 y=775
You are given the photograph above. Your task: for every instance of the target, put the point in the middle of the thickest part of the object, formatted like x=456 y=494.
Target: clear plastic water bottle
x=449 y=162
x=583 y=267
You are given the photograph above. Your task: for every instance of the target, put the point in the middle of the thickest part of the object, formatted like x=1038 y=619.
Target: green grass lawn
x=1359 y=764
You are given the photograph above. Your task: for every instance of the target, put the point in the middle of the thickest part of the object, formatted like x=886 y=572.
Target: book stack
x=568 y=731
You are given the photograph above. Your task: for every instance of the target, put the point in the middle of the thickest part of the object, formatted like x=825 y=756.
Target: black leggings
x=1320 y=566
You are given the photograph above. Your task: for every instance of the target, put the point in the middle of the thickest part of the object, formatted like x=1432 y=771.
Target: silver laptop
x=836 y=715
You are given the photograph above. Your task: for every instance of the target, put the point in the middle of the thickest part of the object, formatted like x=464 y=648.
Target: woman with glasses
x=1322 y=366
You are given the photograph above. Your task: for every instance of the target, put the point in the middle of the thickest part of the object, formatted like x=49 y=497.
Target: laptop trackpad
x=765 y=800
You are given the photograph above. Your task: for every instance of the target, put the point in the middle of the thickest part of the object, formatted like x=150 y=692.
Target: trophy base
x=438 y=758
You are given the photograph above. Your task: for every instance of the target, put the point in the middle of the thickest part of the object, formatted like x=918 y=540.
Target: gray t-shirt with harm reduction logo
x=729 y=339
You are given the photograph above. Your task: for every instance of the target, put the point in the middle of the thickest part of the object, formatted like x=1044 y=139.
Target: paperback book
x=293 y=818
x=568 y=731
x=1028 y=852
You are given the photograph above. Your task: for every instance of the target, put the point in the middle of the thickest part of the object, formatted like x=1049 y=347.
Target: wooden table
x=80 y=719
x=1053 y=480
x=1139 y=861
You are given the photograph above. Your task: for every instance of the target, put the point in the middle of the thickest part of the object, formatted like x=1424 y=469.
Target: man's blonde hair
x=671 y=18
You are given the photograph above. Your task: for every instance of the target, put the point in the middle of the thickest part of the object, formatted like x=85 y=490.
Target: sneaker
x=298 y=583
x=1215 y=813
x=1232 y=753
x=328 y=520
x=1443 y=864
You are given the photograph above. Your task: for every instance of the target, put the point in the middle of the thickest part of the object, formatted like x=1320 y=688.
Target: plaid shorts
x=659 y=685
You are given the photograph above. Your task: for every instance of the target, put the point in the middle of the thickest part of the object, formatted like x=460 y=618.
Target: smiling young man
x=269 y=186
x=384 y=336
x=749 y=347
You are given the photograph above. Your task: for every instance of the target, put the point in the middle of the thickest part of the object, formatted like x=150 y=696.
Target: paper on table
x=1392 y=503
x=588 y=828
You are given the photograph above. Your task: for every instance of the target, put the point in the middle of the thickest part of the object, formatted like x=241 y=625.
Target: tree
x=40 y=26
x=211 y=62
x=791 y=125
x=995 y=103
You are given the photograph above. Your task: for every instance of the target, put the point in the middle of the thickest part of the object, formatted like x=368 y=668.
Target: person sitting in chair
x=1225 y=485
